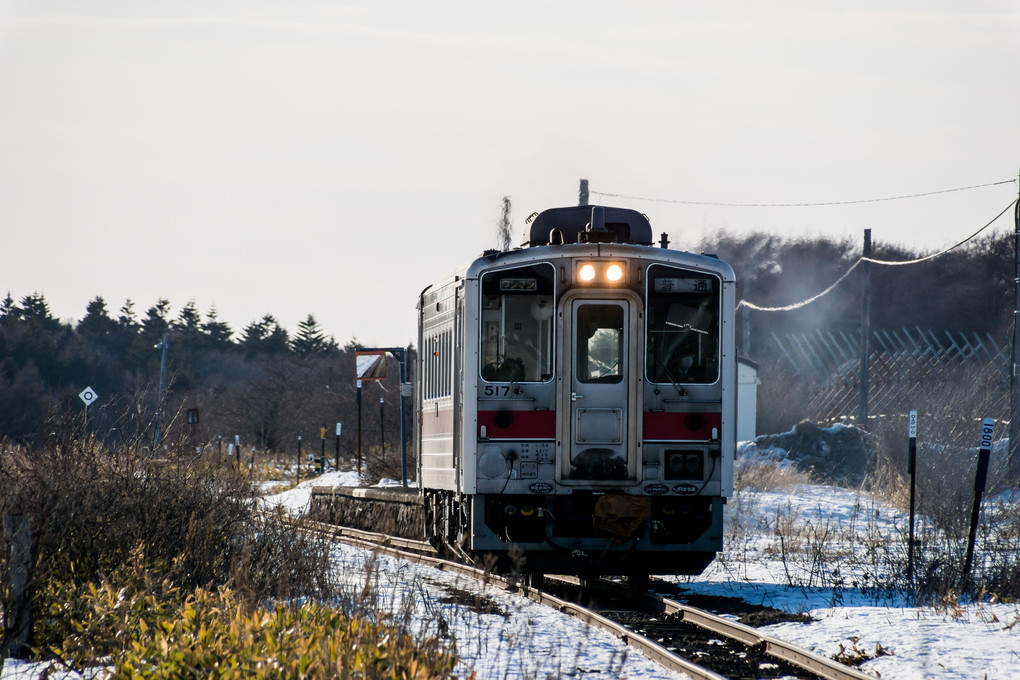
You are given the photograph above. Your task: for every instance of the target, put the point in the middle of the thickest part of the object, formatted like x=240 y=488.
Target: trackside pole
x=912 y=471
x=322 y=451
x=1014 y=360
x=336 y=464
x=359 y=429
x=865 y=361
x=382 y=426
x=984 y=452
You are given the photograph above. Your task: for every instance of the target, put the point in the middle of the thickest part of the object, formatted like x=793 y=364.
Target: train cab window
x=599 y=348
x=517 y=324
x=683 y=326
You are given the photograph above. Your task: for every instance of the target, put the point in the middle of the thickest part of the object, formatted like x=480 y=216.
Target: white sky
x=288 y=158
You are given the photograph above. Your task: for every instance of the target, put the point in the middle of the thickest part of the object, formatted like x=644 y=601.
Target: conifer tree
x=265 y=336
x=96 y=326
x=35 y=308
x=155 y=324
x=310 y=339
x=189 y=321
x=126 y=318
x=217 y=332
x=9 y=311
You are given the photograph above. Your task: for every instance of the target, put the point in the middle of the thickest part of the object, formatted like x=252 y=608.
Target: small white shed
x=747 y=399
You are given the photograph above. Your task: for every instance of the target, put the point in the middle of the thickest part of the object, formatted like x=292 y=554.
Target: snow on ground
x=959 y=642
x=510 y=637
x=296 y=500
x=953 y=641
x=498 y=634
x=975 y=641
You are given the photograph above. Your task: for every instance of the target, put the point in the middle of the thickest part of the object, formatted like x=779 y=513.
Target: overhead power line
x=802 y=205
x=804 y=303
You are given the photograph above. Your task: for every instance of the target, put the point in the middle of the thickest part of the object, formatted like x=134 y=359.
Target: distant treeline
x=268 y=386
x=263 y=384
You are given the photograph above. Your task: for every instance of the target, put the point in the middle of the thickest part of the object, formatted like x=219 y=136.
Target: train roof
x=590 y=224
x=572 y=227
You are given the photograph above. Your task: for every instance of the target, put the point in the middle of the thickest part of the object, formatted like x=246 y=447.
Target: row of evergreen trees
x=45 y=362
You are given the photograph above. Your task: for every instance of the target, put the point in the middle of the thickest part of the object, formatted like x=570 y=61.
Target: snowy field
x=958 y=641
x=503 y=636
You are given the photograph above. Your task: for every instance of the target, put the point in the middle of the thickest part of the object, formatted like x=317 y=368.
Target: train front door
x=599 y=362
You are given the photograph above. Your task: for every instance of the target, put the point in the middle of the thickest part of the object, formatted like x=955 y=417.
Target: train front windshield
x=683 y=326
x=517 y=324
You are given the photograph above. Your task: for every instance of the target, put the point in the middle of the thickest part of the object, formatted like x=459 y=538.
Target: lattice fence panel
x=951 y=379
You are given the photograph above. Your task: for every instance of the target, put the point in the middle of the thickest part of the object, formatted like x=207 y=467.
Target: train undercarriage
x=583 y=533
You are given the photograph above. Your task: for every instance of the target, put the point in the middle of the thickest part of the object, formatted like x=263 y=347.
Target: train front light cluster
x=688 y=465
x=601 y=272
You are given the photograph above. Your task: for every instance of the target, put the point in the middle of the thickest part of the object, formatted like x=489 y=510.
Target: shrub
x=97 y=514
x=139 y=630
x=82 y=623
x=216 y=632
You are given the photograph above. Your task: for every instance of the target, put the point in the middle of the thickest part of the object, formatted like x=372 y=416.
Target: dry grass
x=751 y=475
x=94 y=510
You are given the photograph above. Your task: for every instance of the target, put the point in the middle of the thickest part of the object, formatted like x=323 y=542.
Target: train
x=575 y=401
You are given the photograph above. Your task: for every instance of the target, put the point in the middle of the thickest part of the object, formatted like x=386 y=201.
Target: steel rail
x=423 y=553
x=830 y=669
x=388 y=545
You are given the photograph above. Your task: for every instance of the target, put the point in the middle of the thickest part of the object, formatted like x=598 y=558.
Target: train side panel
x=437 y=396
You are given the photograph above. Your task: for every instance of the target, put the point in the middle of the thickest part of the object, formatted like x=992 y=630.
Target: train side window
x=430 y=367
x=447 y=364
x=517 y=324
x=682 y=325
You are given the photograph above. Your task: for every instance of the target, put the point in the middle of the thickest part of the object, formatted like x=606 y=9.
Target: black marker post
x=322 y=451
x=912 y=471
x=984 y=452
x=336 y=464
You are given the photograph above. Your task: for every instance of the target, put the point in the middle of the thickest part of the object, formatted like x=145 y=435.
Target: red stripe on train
x=517 y=424
x=664 y=426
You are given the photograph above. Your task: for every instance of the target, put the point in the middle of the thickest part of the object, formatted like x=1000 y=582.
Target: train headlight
x=601 y=272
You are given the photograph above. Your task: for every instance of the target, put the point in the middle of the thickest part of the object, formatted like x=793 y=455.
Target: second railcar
x=576 y=401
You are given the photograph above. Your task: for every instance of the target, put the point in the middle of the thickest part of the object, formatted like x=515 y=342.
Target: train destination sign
x=678 y=285
x=518 y=284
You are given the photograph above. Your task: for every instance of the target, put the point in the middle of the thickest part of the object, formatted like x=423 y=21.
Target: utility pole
x=865 y=330
x=162 y=389
x=582 y=193
x=1014 y=369
x=359 y=428
x=382 y=426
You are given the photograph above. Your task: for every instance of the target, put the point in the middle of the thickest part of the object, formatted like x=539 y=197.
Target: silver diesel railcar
x=576 y=401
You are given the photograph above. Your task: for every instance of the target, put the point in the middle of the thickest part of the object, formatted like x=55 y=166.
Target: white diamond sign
x=88 y=395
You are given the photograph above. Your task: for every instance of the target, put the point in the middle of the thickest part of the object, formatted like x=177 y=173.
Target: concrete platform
x=394 y=511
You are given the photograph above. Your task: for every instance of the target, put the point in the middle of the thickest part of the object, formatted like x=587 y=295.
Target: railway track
x=674 y=635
